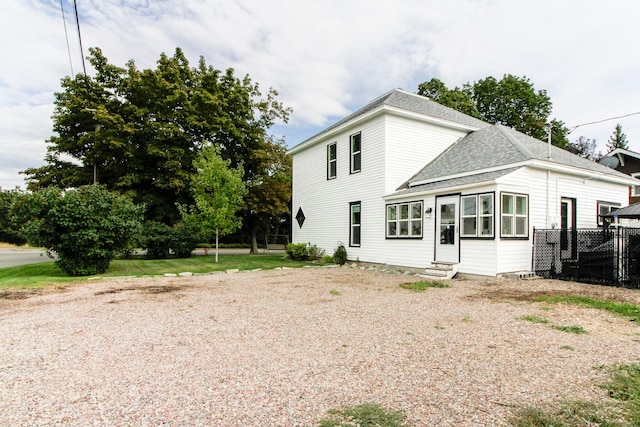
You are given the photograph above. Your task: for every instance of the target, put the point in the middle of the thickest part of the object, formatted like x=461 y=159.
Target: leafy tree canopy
x=9 y=232
x=141 y=130
x=85 y=227
x=511 y=101
x=618 y=139
x=218 y=192
x=586 y=148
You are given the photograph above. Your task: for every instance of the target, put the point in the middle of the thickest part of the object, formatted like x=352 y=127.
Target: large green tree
x=141 y=130
x=618 y=139
x=512 y=101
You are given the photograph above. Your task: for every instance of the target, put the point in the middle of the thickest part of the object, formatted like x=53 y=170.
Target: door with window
x=447 y=233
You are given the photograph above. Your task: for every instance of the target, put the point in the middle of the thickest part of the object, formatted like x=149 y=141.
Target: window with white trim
x=404 y=220
x=332 y=161
x=514 y=215
x=356 y=152
x=354 y=223
x=635 y=190
x=605 y=208
x=477 y=215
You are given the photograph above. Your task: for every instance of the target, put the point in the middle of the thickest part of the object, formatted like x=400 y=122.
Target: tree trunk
x=216 y=245
x=254 y=240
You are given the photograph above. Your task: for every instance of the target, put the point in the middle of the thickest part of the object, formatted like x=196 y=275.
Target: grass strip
x=42 y=274
x=423 y=285
x=623 y=410
x=368 y=414
x=630 y=311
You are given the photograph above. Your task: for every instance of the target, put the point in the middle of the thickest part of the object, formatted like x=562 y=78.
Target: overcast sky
x=327 y=58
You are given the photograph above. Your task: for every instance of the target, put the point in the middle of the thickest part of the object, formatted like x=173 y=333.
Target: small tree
x=618 y=139
x=218 y=192
x=85 y=227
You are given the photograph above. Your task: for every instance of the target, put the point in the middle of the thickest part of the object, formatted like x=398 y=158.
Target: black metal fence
x=608 y=256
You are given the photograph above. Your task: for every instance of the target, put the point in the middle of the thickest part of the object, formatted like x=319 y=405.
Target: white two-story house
x=405 y=181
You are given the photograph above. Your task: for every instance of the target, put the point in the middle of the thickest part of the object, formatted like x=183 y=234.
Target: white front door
x=447 y=235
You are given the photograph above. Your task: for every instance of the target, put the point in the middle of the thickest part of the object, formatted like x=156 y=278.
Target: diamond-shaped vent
x=300 y=217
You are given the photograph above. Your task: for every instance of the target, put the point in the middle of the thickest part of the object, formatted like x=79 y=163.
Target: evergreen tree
x=618 y=139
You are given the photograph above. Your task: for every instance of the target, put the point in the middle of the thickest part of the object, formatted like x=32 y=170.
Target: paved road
x=16 y=256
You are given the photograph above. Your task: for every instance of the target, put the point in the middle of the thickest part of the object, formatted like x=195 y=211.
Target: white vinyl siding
x=410 y=146
x=326 y=202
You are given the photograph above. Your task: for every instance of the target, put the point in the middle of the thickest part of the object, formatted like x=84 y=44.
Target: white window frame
x=355 y=154
x=398 y=221
x=609 y=206
x=477 y=216
x=332 y=161
x=635 y=189
x=514 y=216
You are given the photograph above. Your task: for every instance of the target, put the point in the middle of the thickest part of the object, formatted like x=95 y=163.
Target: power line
x=600 y=121
x=66 y=36
x=84 y=68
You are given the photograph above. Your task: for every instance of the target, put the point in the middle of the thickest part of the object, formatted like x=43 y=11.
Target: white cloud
x=328 y=58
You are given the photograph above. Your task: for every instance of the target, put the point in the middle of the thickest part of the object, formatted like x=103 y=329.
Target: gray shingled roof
x=631 y=211
x=401 y=99
x=456 y=182
x=496 y=146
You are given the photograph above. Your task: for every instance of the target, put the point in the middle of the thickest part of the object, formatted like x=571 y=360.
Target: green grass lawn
x=43 y=274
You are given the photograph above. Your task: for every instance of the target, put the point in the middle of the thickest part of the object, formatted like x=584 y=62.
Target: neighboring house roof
x=631 y=211
x=623 y=152
x=410 y=102
x=499 y=146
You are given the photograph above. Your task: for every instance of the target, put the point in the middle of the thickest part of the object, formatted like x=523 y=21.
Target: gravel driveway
x=280 y=348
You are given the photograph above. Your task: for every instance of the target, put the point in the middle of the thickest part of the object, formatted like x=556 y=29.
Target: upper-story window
x=356 y=152
x=332 y=161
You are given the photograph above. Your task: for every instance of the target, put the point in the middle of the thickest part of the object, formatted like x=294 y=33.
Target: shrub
x=156 y=240
x=315 y=253
x=297 y=251
x=340 y=255
x=184 y=239
x=326 y=260
x=85 y=227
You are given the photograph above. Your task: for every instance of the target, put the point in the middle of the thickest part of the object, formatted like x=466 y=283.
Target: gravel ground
x=280 y=348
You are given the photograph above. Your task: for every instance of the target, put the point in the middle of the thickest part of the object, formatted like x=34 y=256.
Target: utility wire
x=66 y=36
x=600 y=121
x=84 y=68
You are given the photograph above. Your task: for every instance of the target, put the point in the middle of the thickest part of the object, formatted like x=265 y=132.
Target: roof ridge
x=515 y=141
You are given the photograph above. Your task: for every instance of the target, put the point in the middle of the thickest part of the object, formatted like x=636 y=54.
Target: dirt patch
x=14 y=295
x=142 y=289
x=521 y=291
